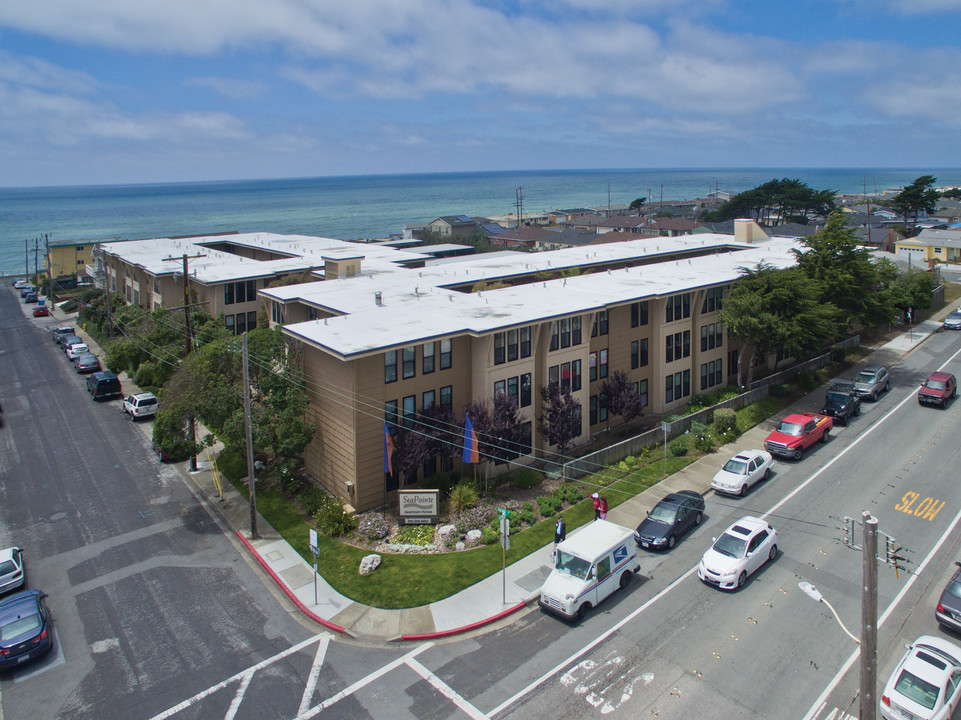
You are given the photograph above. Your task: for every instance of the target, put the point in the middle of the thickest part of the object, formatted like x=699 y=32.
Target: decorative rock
x=460 y=546
x=369 y=564
x=445 y=533
x=474 y=536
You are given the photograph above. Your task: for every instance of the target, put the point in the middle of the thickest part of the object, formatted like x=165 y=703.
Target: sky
x=114 y=91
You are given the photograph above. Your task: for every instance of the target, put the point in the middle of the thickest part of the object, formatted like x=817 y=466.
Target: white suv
x=140 y=405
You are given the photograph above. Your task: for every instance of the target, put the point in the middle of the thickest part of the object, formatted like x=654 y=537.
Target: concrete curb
x=287 y=591
x=466 y=628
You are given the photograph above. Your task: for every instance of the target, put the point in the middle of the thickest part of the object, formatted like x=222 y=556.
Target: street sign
x=313 y=542
x=506 y=532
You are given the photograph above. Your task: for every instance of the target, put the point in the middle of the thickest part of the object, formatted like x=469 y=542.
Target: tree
x=431 y=434
x=497 y=426
x=789 y=200
x=920 y=196
x=912 y=289
x=847 y=274
x=561 y=421
x=777 y=309
x=618 y=396
x=637 y=204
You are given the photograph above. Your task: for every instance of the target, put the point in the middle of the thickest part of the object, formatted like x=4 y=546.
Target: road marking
x=446 y=690
x=314 y=675
x=927 y=509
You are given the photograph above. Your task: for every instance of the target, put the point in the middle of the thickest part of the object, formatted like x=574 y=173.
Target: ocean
x=371 y=206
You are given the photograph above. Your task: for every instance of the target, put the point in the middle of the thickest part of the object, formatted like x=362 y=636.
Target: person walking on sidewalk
x=560 y=532
x=597 y=505
x=602 y=508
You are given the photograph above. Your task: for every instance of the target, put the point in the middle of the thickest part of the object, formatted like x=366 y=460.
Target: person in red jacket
x=597 y=505
x=602 y=508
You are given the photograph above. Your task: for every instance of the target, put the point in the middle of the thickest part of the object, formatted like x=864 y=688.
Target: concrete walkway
x=488 y=600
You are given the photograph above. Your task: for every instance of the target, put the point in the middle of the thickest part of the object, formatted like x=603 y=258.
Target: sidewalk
x=484 y=602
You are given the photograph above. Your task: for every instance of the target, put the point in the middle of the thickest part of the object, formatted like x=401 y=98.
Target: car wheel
x=743 y=491
x=857 y=409
x=773 y=554
x=767 y=473
x=697 y=519
x=742 y=578
x=887 y=386
x=625 y=579
x=824 y=437
x=671 y=542
x=799 y=453
x=844 y=420
x=874 y=396
x=583 y=610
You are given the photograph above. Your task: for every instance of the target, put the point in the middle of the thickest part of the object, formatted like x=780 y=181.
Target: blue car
x=26 y=628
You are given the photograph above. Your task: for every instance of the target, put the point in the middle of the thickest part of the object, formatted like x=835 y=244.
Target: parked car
x=872 y=381
x=669 y=519
x=953 y=320
x=743 y=471
x=62 y=331
x=19 y=283
x=925 y=684
x=140 y=405
x=796 y=433
x=68 y=340
x=12 y=574
x=841 y=402
x=104 y=384
x=88 y=362
x=31 y=297
x=739 y=552
x=28 y=288
x=948 y=610
x=26 y=628
x=76 y=350
x=938 y=389
x=41 y=311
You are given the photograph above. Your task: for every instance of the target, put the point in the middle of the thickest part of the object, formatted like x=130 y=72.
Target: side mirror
x=648 y=512
x=713 y=539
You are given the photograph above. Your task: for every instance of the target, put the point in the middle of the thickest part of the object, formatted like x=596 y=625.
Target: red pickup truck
x=797 y=433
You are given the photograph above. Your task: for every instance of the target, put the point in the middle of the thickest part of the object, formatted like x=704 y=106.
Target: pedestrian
x=597 y=505
x=560 y=532
x=603 y=508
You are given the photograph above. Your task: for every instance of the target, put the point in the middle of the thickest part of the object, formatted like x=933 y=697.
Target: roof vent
x=379 y=298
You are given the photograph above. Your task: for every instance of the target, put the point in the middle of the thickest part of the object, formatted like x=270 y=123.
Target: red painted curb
x=465 y=628
x=283 y=586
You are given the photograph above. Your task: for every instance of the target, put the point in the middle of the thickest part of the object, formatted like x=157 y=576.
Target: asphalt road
x=152 y=601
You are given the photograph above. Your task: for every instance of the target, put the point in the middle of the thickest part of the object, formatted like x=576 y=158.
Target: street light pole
x=869 y=618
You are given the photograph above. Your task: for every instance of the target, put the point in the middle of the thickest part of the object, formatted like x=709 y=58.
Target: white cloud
x=230 y=87
x=35 y=72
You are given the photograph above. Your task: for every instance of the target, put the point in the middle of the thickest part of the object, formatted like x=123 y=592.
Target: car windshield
x=663 y=513
x=736 y=467
x=731 y=546
x=7 y=567
x=864 y=377
x=19 y=627
x=954 y=588
x=789 y=428
x=572 y=565
x=934 y=384
x=837 y=397
x=914 y=688
x=147 y=401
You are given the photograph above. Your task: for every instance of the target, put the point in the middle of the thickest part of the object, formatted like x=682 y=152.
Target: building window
x=712 y=300
x=390 y=413
x=428 y=399
x=639 y=314
x=511 y=345
x=602 y=408
x=593 y=410
x=602 y=365
x=678 y=346
x=513 y=389
x=499 y=354
x=526 y=438
x=642 y=392
x=732 y=362
x=592 y=364
x=525 y=342
x=229 y=294
x=525 y=399
x=554 y=375
x=576 y=330
x=240 y=323
x=687 y=344
x=447 y=396
x=410 y=360
x=428 y=362
x=445 y=354
x=678 y=307
x=669 y=389
x=252 y=320
x=711 y=336
x=555 y=336
x=229 y=323
x=575 y=375
x=565 y=332
x=500 y=387
x=390 y=366
x=410 y=410
x=600 y=324
x=635 y=354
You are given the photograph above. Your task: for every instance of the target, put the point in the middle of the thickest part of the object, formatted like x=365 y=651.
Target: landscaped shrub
x=472 y=519
x=422 y=535
x=548 y=505
x=526 y=514
x=312 y=498
x=705 y=443
x=777 y=390
x=283 y=473
x=725 y=419
x=489 y=536
x=332 y=520
x=462 y=497
x=807 y=380
x=374 y=526
x=838 y=354
x=526 y=479
x=678 y=447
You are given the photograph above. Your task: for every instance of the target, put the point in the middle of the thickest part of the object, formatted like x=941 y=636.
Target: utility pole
x=26 y=259
x=46 y=254
x=188 y=341
x=254 y=535
x=869 y=618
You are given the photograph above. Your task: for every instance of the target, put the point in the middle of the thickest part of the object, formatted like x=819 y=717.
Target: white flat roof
x=416 y=306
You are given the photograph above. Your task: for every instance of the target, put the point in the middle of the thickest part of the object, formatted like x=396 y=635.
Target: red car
x=41 y=311
x=938 y=389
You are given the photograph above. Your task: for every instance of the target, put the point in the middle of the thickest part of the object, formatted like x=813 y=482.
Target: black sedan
x=948 y=612
x=669 y=519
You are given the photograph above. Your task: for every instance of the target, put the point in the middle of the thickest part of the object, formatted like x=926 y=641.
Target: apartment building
x=380 y=347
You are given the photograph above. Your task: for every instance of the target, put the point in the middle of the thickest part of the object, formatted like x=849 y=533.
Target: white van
x=590 y=565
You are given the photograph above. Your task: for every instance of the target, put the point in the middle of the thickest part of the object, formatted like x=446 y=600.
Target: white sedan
x=926 y=684
x=742 y=471
x=742 y=549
